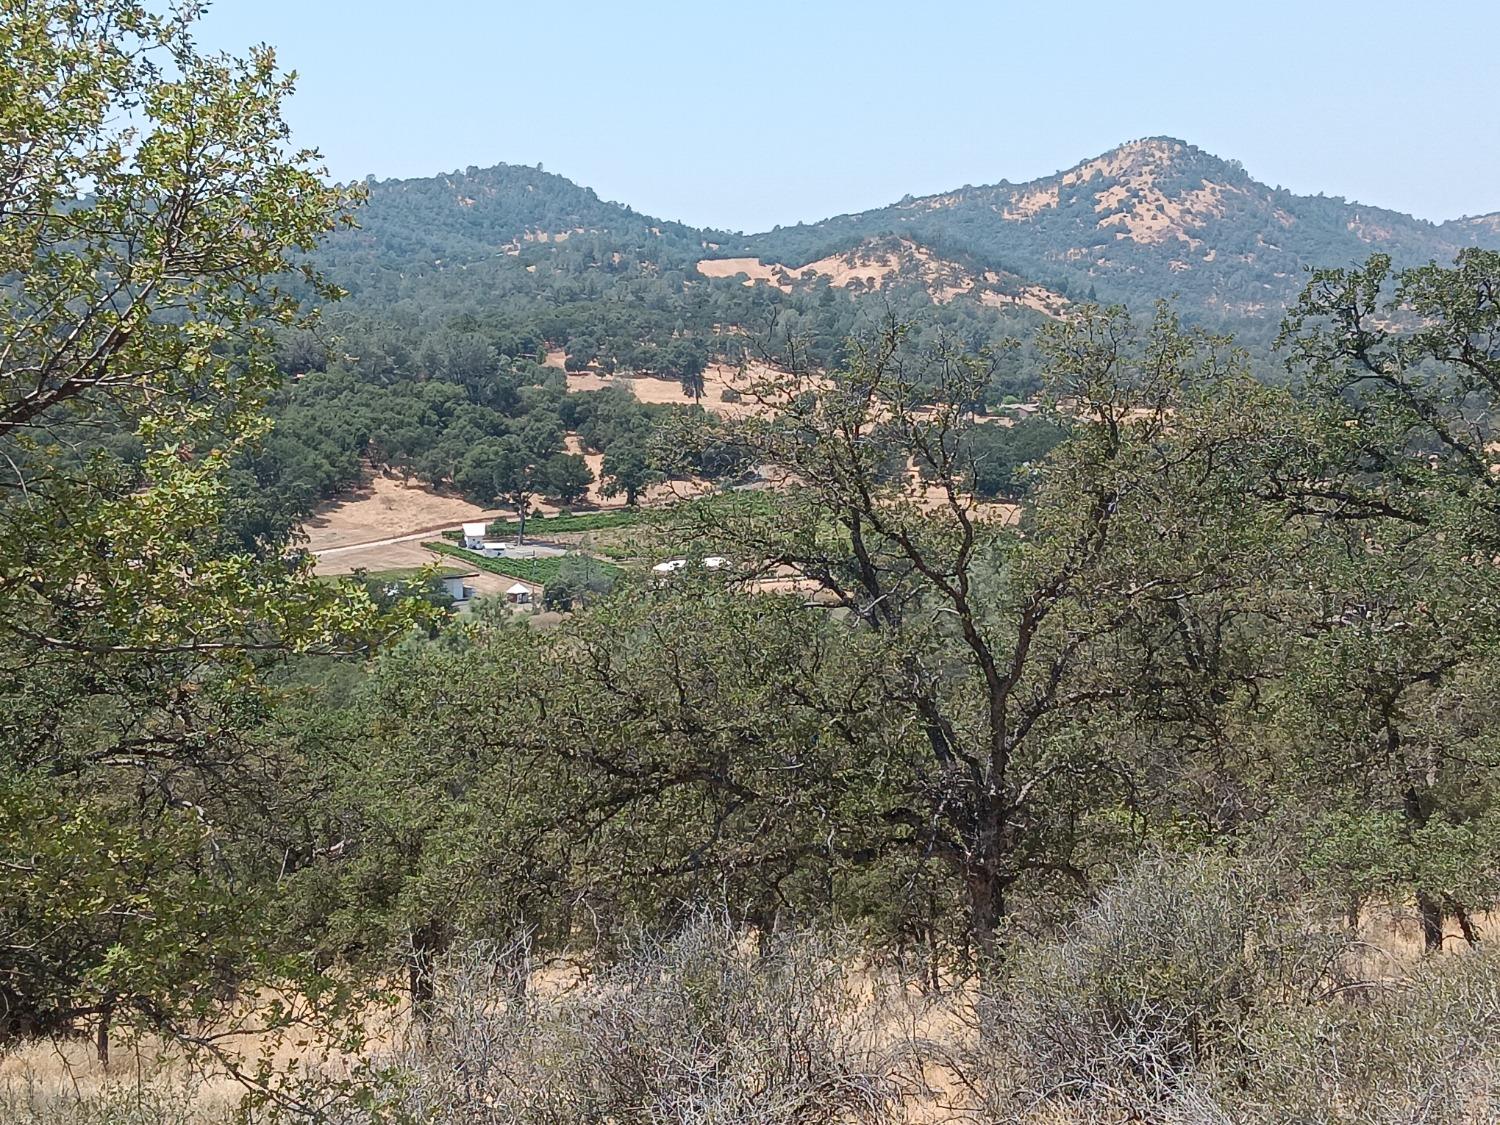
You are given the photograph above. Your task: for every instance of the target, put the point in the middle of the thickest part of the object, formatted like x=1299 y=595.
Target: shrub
x=699 y=1027
x=153 y=1102
x=1163 y=968
x=1424 y=1047
x=1205 y=991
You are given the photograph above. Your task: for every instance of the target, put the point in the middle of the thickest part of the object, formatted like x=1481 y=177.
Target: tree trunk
x=1429 y=909
x=422 y=971
x=1431 y=913
x=101 y=1036
x=986 y=910
x=1465 y=924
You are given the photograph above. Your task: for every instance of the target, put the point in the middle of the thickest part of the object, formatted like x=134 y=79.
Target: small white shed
x=519 y=594
x=474 y=534
x=457 y=587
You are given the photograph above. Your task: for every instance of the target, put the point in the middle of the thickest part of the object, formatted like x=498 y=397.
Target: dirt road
x=375 y=544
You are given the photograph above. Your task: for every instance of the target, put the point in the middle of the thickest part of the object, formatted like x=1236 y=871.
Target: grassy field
x=540 y=571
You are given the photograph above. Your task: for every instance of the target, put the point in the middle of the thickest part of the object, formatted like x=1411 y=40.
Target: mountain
x=518 y=262
x=1152 y=218
x=1480 y=230
x=461 y=219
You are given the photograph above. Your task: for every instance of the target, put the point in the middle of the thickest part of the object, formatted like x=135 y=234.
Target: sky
x=755 y=113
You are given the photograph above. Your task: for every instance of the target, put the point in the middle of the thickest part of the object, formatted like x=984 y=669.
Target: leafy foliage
x=153 y=207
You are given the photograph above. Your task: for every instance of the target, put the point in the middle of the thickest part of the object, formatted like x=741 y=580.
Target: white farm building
x=665 y=570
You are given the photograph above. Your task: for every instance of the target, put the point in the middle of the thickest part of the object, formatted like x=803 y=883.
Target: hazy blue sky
x=744 y=115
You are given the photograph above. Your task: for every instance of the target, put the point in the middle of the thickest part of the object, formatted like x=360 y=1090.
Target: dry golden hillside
x=877 y=263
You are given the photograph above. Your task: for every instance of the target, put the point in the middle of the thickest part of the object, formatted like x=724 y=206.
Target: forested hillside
x=473 y=279
x=531 y=261
x=469 y=295
x=1152 y=218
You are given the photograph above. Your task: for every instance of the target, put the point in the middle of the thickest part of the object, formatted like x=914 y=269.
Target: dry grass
x=878 y=263
x=1201 y=991
x=701 y=1028
x=385 y=506
x=64 y=1084
x=717 y=378
x=1193 y=991
x=383 y=525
